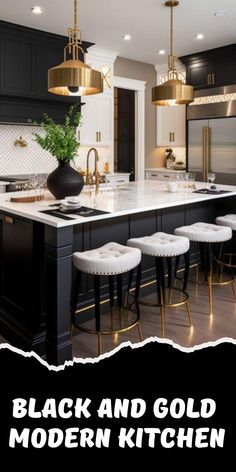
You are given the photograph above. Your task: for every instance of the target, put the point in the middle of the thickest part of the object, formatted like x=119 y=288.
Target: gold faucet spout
x=96 y=173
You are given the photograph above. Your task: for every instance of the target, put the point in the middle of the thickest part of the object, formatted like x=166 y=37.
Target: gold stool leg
x=162 y=312
x=120 y=317
x=197 y=279
x=233 y=288
x=140 y=331
x=189 y=314
x=210 y=293
x=126 y=299
x=221 y=272
x=112 y=318
x=99 y=344
x=72 y=330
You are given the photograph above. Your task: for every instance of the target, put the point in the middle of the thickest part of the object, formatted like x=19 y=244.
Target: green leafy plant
x=60 y=139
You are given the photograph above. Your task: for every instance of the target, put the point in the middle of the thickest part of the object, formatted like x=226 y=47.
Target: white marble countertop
x=3 y=183
x=164 y=169
x=130 y=198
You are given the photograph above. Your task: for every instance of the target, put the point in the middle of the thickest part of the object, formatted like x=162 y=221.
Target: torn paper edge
x=95 y=360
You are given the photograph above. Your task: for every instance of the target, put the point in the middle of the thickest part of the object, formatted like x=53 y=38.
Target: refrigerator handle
x=204 y=152
x=208 y=160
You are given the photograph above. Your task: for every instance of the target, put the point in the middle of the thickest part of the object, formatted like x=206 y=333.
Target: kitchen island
x=37 y=243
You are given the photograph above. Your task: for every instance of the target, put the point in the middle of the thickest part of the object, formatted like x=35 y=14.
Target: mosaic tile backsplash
x=15 y=159
x=32 y=159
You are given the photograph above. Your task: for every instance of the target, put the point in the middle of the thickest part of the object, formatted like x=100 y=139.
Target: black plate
x=82 y=211
x=206 y=191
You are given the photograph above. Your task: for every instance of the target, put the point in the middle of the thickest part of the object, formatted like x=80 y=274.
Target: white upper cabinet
x=171 y=124
x=98 y=110
x=96 y=121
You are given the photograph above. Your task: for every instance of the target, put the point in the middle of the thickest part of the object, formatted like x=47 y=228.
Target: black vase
x=64 y=181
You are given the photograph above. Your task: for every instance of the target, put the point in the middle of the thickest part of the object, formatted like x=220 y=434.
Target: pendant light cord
x=76 y=15
x=171 y=30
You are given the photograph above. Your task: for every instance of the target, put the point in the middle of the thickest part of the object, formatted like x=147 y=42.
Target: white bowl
x=72 y=200
x=70 y=206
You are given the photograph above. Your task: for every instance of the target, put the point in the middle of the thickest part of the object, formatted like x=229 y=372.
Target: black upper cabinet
x=26 y=56
x=17 y=65
x=225 y=70
x=212 y=68
x=199 y=75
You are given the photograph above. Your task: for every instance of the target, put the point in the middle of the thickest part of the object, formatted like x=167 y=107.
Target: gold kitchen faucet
x=96 y=173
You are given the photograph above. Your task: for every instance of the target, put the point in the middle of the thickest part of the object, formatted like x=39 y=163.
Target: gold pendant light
x=73 y=77
x=173 y=91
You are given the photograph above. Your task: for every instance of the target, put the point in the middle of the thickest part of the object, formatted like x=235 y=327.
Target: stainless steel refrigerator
x=212 y=141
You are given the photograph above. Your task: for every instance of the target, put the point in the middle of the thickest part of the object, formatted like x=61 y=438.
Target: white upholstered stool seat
x=110 y=259
x=163 y=247
x=227 y=220
x=160 y=245
x=205 y=233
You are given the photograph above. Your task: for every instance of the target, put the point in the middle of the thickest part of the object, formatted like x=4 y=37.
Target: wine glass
x=211 y=179
x=42 y=181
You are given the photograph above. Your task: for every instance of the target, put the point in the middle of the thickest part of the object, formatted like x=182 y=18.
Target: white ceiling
x=105 y=21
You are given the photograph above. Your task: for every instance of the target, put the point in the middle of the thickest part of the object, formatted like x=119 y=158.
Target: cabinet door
x=96 y=121
x=17 y=65
x=199 y=75
x=225 y=71
x=171 y=126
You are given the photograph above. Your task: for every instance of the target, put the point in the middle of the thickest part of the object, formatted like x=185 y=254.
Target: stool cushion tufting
x=205 y=233
x=161 y=245
x=227 y=220
x=110 y=259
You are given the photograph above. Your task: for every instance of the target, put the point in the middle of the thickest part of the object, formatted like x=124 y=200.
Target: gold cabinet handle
x=170 y=137
x=98 y=136
x=173 y=137
x=209 y=79
x=78 y=135
x=213 y=79
x=9 y=220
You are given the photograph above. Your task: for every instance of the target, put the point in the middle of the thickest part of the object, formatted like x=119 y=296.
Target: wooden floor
x=206 y=328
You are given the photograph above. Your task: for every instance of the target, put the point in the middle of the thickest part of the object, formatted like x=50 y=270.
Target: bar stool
x=164 y=247
x=110 y=260
x=228 y=259
x=207 y=235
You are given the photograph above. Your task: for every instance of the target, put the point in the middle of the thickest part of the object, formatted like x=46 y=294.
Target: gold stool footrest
x=169 y=304
x=183 y=299
x=109 y=332
x=230 y=263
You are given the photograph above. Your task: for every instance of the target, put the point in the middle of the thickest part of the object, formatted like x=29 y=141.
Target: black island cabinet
x=36 y=271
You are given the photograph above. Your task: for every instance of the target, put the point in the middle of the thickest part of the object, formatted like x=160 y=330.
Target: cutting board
x=27 y=199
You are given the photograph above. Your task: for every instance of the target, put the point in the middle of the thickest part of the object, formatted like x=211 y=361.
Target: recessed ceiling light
x=221 y=13
x=162 y=52
x=127 y=37
x=37 y=10
x=199 y=36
